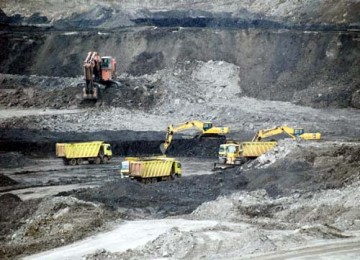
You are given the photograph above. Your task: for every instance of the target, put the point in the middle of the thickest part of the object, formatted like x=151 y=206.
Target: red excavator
x=98 y=70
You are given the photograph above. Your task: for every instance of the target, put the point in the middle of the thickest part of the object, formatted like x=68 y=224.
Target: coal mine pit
x=252 y=67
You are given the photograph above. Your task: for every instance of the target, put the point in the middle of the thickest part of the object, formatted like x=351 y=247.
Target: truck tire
x=79 y=161
x=238 y=162
x=72 y=162
x=65 y=161
x=97 y=160
x=105 y=159
x=172 y=176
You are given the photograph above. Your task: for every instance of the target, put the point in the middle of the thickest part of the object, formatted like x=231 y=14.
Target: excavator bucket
x=162 y=148
x=91 y=96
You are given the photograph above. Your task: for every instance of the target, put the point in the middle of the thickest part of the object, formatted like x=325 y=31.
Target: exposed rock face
x=319 y=69
x=301 y=51
x=304 y=11
x=3 y=17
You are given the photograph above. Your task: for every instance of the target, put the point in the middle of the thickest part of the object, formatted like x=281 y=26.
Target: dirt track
x=215 y=193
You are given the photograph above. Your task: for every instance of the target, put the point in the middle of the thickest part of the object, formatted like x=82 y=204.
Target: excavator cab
x=98 y=71
x=106 y=62
x=207 y=126
x=298 y=132
x=108 y=68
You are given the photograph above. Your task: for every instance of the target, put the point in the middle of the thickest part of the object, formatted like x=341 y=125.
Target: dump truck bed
x=78 y=150
x=151 y=168
x=255 y=149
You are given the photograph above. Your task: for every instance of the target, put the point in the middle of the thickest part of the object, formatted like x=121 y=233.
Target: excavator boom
x=294 y=133
x=97 y=70
x=205 y=128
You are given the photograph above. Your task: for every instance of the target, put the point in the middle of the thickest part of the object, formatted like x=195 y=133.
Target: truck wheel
x=172 y=176
x=238 y=162
x=97 y=160
x=80 y=161
x=105 y=159
x=65 y=161
x=91 y=162
x=72 y=162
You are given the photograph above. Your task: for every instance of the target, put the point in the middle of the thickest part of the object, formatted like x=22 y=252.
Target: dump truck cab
x=235 y=153
x=177 y=170
x=125 y=165
x=125 y=168
x=107 y=150
x=228 y=153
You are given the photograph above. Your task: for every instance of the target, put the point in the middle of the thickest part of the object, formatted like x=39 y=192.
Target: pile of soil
x=54 y=222
x=307 y=167
x=162 y=199
x=14 y=160
x=6 y=181
x=13 y=214
x=56 y=93
x=298 y=171
x=35 y=97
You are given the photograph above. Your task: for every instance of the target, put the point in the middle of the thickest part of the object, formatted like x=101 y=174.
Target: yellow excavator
x=206 y=129
x=294 y=133
x=234 y=153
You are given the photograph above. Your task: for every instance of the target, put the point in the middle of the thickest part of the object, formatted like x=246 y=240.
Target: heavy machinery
x=152 y=169
x=98 y=70
x=234 y=153
x=206 y=130
x=76 y=153
x=294 y=133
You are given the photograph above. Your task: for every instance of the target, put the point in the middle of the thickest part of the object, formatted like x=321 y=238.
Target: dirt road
x=126 y=236
x=46 y=177
x=339 y=250
x=207 y=237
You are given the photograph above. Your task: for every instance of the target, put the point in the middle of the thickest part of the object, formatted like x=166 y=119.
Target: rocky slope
x=106 y=13
x=313 y=69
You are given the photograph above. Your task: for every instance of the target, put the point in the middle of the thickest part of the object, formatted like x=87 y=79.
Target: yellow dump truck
x=76 y=153
x=155 y=169
x=125 y=165
x=235 y=153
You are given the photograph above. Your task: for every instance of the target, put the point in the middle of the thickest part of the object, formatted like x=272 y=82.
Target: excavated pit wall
x=124 y=143
x=316 y=68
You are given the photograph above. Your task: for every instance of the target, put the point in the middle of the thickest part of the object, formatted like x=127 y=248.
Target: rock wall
x=304 y=11
x=319 y=69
